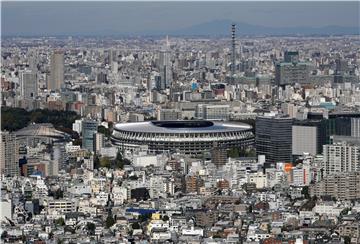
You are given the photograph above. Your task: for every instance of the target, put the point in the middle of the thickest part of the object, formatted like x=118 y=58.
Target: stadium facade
x=192 y=137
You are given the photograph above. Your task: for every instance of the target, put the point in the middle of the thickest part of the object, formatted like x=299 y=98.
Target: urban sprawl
x=180 y=140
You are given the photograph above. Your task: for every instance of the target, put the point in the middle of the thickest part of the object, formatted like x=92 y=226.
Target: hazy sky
x=51 y=18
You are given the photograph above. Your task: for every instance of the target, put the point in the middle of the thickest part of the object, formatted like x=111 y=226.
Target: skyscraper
x=56 y=80
x=233 y=53
x=9 y=164
x=28 y=85
x=165 y=66
x=274 y=138
x=98 y=142
x=89 y=129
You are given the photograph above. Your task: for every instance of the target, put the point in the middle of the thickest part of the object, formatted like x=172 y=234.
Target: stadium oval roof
x=41 y=130
x=182 y=126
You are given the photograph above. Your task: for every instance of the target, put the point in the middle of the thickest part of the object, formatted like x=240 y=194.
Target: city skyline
x=180 y=122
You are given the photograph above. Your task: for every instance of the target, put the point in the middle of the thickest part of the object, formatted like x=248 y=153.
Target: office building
x=273 y=138
x=304 y=140
x=169 y=114
x=101 y=78
x=341 y=157
x=56 y=80
x=9 y=164
x=291 y=73
x=165 y=67
x=291 y=56
x=290 y=109
x=308 y=136
x=99 y=141
x=218 y=156
x=136 y=117
x=89 y=129
x=212 y=112
x=28 y=85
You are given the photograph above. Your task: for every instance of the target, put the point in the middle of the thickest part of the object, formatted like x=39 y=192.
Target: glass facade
x=89 y=129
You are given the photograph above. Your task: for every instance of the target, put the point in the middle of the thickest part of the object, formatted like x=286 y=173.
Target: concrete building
x=291 y=73
x=56 y=80
x=61 y=205
x=165 y=69
x=98 y=142
x=344 y=186
x=304 y=139
x=136 y=117
x=28 y=85
x=218 y=156
x=291 y=56
x=9 y=164
x=169 y=114
x=341 y=157
x=212 y=112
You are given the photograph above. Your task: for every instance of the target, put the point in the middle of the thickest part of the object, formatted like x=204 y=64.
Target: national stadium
x=192 y=137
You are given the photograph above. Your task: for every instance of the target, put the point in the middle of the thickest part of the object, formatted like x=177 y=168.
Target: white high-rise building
x=341 y=157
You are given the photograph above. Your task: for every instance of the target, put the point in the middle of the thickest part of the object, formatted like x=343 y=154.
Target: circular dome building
x=188 y=136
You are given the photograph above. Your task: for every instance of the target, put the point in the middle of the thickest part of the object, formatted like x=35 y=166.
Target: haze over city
x=178 y=18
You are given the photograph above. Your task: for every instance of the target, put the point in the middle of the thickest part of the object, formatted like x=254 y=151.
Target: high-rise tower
x=28 y=84
x=9 y=154
x=165 y=66
x=56 y=71
x=233 y=53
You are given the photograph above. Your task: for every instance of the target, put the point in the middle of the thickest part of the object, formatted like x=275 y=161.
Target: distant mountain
x=222 y=28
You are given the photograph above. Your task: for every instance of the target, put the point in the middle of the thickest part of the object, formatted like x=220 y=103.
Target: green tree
x=144 y=217
x=345 y=211
x=60 y=222
x=105 y=162
x=165 y=218
x=4 y=235
x=96 y=162
x=91 y=228
x=110 y=221
x=135 y=225
x=347 y=239
x=14 y=118
x=233 y=153
x=305 y=192
x=104 y=130
x=120 y=161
